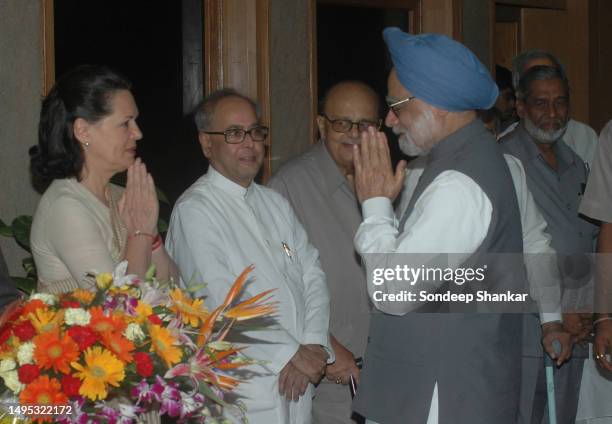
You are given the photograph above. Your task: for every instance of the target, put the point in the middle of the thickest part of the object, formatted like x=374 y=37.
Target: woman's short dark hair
x=84 y=92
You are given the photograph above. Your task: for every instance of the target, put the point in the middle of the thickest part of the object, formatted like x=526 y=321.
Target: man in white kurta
x=225 y=222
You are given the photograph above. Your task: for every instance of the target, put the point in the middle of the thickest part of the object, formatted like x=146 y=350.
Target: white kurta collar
x=219 y=180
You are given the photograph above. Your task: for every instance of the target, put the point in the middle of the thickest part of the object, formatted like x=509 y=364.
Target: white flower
x=128 y=411
x=7 y=365
x=25 y=353
x=11 y=380
x=120 y=279
x=9 y=375
x=189 y=404
x=77 y=316
x=134 y=333
x=49 y=299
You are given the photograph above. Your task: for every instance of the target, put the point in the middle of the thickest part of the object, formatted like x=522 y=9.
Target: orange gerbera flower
x=43 y=391
x=102 y=323
x=143 y=310
x=119 y=345
x=162 y=343
x=191 y=311
x=46 y=321
x=32 y=306
x=101 y=368
x=83 y=296
x=51 y=351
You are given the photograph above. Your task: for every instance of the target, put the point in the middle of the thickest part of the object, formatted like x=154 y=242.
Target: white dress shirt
x=536 y=241
x=217 y=229
x=452 y=197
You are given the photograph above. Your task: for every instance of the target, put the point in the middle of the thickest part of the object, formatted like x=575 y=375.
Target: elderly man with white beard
x=449 y=364
x=556 y=176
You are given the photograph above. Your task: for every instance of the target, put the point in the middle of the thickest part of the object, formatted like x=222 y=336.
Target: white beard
x=409 y=147
x=543 y=136
x=419 y=140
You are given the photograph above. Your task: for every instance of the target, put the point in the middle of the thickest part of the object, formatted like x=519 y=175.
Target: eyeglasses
x=396 y=106
x=346 y=125
x=237 y=135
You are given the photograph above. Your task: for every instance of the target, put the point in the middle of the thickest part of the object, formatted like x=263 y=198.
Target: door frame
x=217 y=47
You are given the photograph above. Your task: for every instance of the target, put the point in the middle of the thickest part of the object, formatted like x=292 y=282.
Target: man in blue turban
x=440 y=366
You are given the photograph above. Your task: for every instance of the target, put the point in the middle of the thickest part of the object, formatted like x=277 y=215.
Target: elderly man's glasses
x=237 y=135
x=396 y=106
x=346 y=125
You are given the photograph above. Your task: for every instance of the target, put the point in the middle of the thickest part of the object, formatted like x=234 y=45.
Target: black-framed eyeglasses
x=396 y=106
x=346 y=125
x=237 y=135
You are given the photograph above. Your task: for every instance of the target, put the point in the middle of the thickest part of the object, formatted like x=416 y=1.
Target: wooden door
x=560 y=32
x=506 y=43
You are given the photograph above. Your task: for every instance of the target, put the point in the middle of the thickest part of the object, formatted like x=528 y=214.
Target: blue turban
x=440 y=71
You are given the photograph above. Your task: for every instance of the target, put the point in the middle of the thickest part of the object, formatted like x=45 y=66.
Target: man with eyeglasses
x=556 y=176
x=225 y=222
x=319 y=186
x=446 y=363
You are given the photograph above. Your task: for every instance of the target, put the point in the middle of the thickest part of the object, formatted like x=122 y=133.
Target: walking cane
x=550 y=382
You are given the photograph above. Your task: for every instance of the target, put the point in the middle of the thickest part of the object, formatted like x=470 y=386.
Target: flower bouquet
x=132 y=346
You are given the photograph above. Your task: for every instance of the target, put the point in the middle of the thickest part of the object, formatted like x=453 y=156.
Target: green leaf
x=150 y=272
x=192 y=288
x=161 y=196
x=29 y=267
x=162 y=226
x=5 y=230
x=209 y=393
x=21 y=230
x=26 y=285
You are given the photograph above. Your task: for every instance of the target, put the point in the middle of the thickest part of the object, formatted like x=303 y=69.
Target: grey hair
x=540 y=73
x=205 y=110
x=523 y=58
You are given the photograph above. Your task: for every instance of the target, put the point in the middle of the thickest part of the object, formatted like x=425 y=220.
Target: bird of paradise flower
x=210 y=360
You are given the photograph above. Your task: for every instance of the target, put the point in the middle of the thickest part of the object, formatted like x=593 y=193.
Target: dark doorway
x=144 y=40
x=350 y=46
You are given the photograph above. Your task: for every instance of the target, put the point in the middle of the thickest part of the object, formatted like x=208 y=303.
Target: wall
x=20 y=94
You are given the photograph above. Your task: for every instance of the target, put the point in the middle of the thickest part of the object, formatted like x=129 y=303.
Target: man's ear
x=80 y=129
x=322 y=128
x=520 y=108
x=205 y=143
